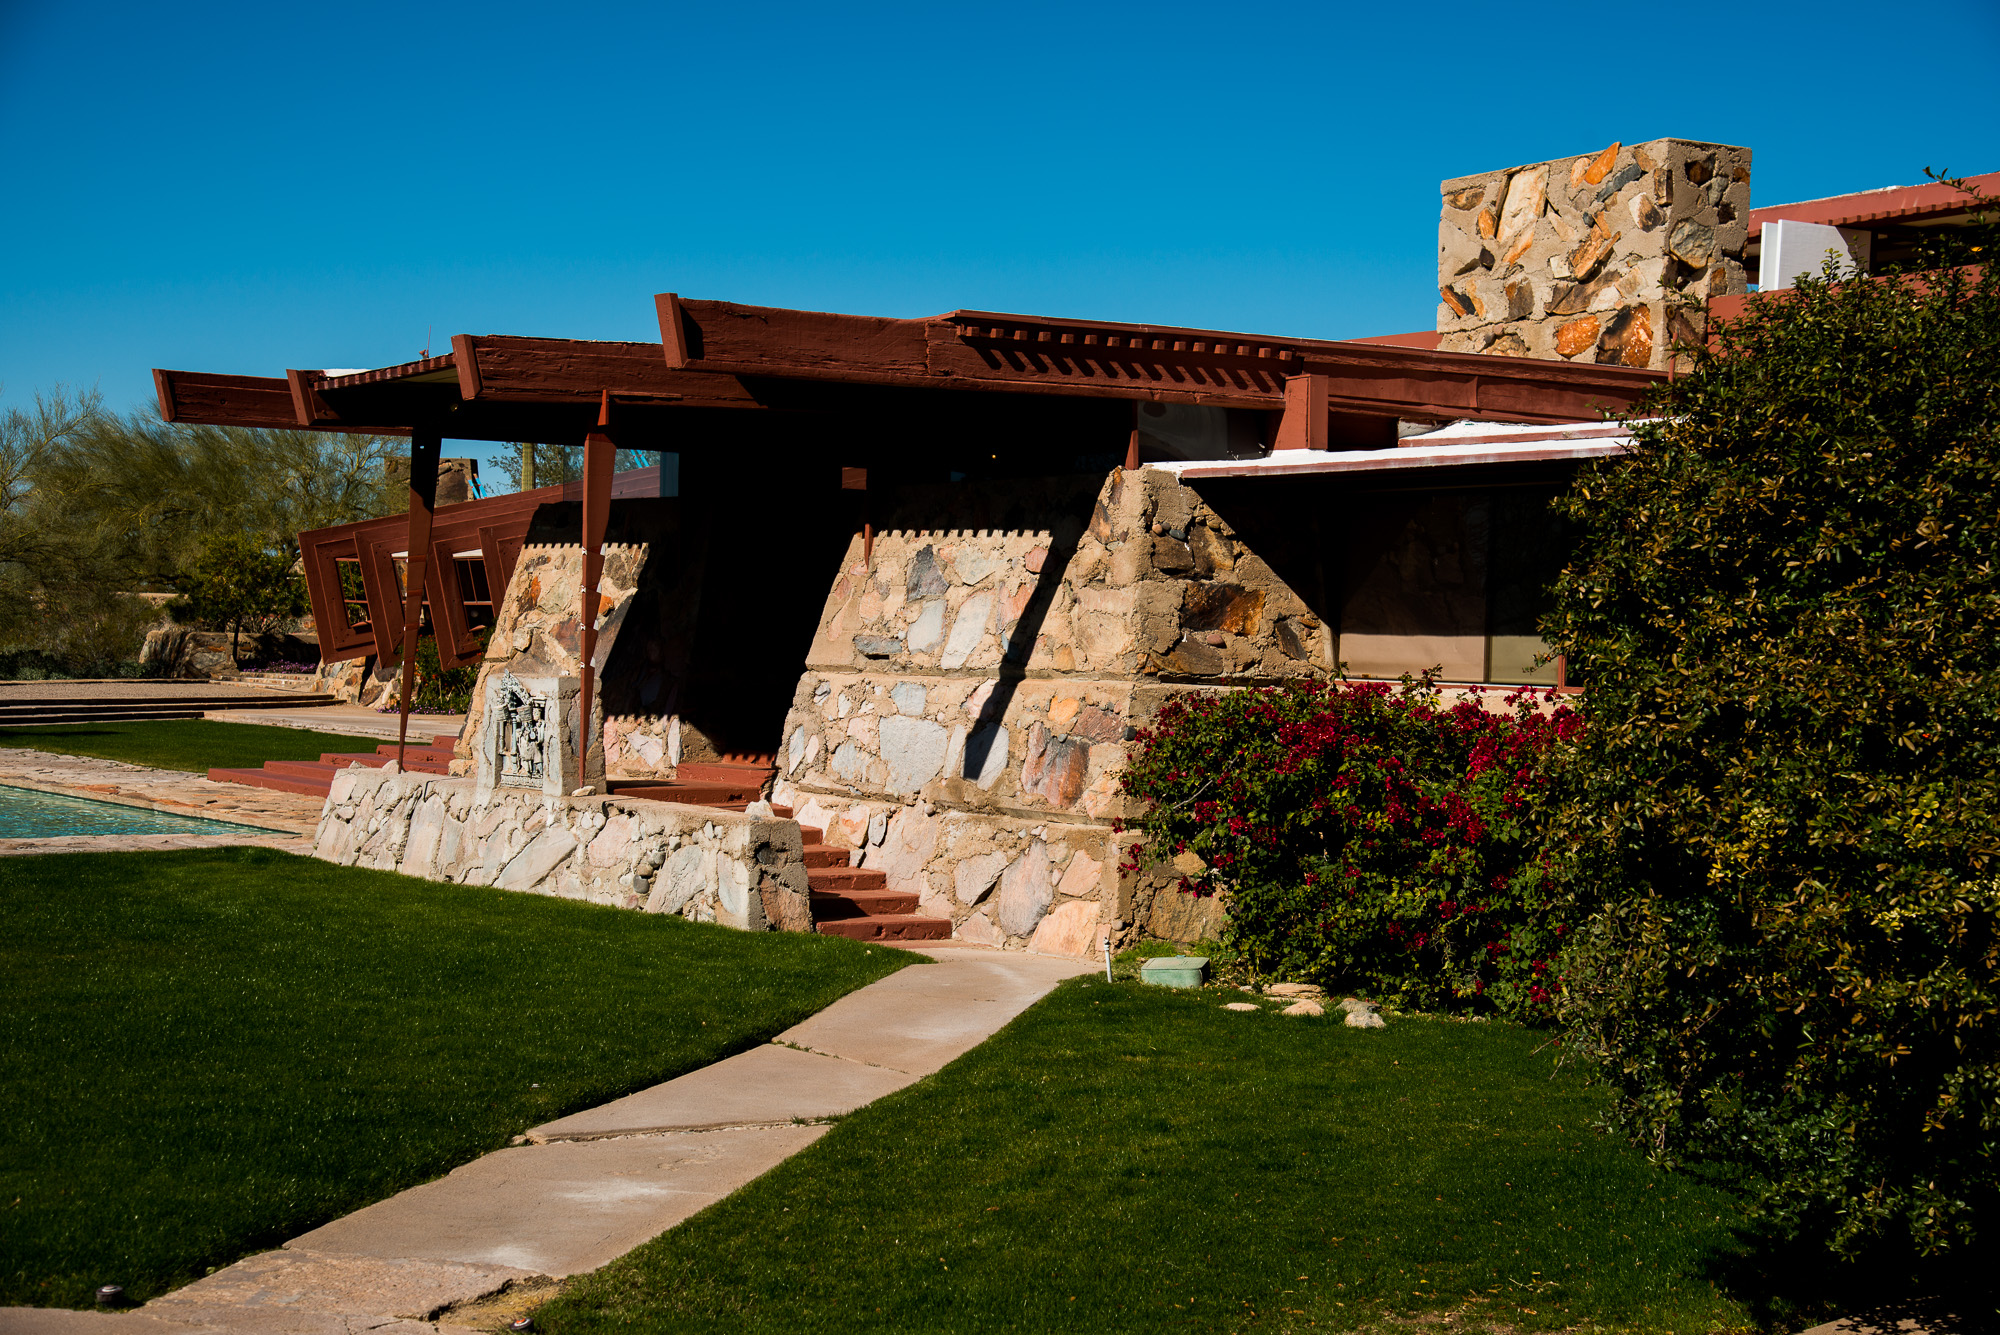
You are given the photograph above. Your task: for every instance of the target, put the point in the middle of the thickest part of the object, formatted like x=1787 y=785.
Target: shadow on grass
x=1783 y=1281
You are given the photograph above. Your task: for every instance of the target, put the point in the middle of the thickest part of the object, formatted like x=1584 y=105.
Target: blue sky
x=245 y=188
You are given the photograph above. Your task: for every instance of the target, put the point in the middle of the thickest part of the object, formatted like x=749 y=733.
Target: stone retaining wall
x=741 y=870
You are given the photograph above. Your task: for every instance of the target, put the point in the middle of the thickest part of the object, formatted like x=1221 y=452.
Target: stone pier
x=1609 y=257
x=963 y=719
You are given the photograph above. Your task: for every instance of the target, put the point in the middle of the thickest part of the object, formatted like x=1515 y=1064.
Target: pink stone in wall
x=1071 y=930
x=1056 y=768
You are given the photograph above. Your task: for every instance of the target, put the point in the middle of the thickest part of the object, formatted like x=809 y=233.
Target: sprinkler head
x=111 y=1295
x=521 y=1325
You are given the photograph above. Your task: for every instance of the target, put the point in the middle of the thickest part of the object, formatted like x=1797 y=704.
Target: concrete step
x=58 y=718
x=889 y=927
x=431 y=750
x=691 y=771
x=828 y=905
x=845 y=878
x=303 y=769
x=733 y=795
x=280 y=783
x=281 y=681
x=376 y=760
x=813 y=834
x=825 y=855
x=20 y=703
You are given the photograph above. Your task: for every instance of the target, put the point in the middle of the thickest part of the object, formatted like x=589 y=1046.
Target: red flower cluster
x=1364 y=834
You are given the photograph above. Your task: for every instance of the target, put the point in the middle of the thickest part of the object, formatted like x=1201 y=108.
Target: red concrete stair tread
x=417 y=751
x=889 y=927
x=307 y=769
x=825 y=855
x=846 y=878
x=703 y=772
x=415 y=765
x=692 y=794
x=812 y=834
x=280 y=783
x=827 y=905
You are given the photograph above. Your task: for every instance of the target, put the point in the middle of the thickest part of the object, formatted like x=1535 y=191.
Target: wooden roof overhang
x=719 y=358
x=1022 y=354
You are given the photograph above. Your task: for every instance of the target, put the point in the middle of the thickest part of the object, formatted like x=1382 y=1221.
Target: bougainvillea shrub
x=1364 y=835
x=1786 y=605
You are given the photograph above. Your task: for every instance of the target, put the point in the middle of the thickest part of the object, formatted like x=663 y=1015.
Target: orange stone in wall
x=1577 y=335
x=1639 y=339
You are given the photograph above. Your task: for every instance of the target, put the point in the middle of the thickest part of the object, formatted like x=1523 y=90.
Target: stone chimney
x=1605 y=258
x=455 y=480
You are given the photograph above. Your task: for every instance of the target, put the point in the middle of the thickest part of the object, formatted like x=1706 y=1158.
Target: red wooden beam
x=673 y=330
x=241 y=400
x=599 y=455
x=1032 y=354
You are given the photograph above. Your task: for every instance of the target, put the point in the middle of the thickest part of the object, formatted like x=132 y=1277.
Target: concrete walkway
x=587 y=1188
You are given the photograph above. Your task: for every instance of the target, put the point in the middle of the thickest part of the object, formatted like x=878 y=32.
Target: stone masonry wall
x=538 y=632
x=962 y=721
x=742 y=870
x=1605 y=258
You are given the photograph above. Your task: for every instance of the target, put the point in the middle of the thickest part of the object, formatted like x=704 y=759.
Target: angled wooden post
x=424 y=449
x=1132 y=442
x=598 y=455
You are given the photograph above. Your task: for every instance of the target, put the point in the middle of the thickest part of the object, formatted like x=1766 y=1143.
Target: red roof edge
x=1423 y=339
x=1901 y=201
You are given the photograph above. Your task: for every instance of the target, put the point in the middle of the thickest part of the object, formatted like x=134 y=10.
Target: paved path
x=587 y=1188
x=289 y=819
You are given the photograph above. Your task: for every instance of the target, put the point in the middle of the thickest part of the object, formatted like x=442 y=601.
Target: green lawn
x=204 y=1053
x=192 y=744
x=1131 y=1159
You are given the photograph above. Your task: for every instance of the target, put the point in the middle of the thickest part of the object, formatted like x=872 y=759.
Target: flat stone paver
x=292 y=1283
x=562 y=1208
x=765 y=1085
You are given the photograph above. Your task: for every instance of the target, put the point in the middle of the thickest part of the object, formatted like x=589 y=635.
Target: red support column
x=424 y=449
x=598 y=455
x=1132 y=442
x=1305 y=425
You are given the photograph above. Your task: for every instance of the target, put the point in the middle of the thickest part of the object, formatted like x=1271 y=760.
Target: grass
x=204 y=1053
x=1132 y=1159
x=197 y=745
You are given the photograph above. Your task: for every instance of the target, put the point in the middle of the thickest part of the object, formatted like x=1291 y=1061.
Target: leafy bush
x=1365 y=836
x=441 y=690
x=237 y=582
x=1787 y=609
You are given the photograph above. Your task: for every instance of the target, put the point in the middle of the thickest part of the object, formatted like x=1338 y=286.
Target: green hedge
x=1786 y=607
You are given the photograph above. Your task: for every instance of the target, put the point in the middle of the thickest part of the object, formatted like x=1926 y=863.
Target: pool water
x=27 y=814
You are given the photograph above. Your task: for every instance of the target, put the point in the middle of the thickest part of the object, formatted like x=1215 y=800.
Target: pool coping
x=22 y=767
x=86 y=793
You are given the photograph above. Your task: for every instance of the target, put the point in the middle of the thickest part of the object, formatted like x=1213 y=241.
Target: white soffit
x=1457 y=445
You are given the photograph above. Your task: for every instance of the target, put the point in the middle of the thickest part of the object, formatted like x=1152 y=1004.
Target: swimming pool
x=28 y=814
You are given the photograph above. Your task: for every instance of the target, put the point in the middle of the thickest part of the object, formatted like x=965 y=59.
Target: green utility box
x=1175 y=971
